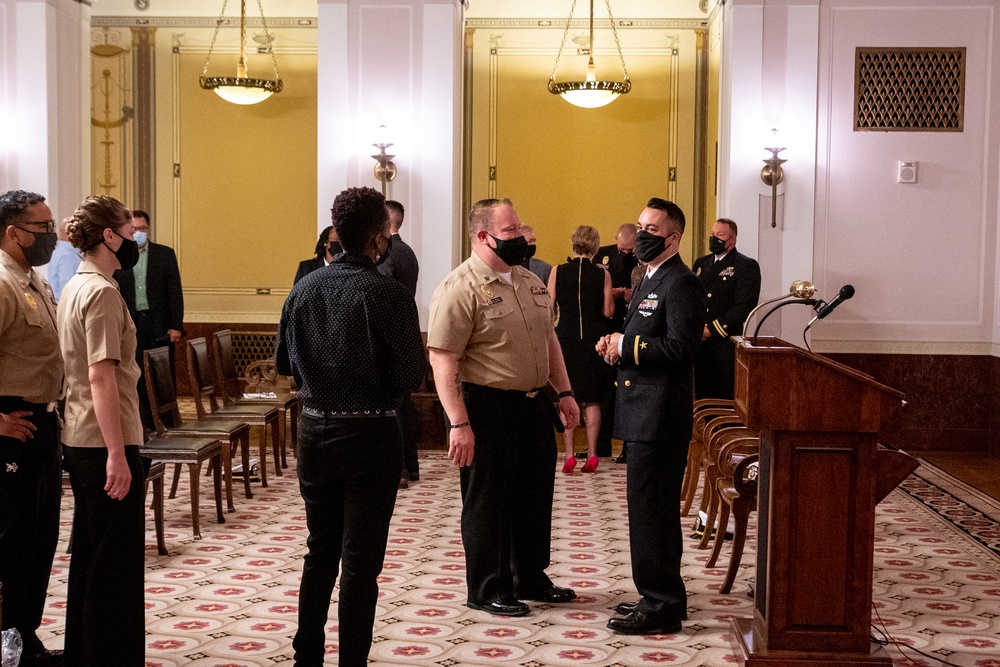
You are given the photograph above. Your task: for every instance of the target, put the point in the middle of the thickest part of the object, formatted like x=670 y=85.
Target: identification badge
x=605 y=260
x=487 y=291
x=29 y=298
x=494 y=301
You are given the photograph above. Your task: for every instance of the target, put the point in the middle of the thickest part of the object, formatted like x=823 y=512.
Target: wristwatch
x=564 y=394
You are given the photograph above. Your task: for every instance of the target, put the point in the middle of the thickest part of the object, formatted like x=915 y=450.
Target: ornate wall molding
x=197 y=22
x=669 y=24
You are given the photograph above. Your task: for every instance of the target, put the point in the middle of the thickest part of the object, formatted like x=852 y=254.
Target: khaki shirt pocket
x=33 y=317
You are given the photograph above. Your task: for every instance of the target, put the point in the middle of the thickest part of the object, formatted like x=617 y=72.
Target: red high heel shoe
x=569 y=466
x=590 y=465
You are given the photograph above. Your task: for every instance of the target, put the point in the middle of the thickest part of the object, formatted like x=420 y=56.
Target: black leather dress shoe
x=638 y=623
x=414 y=476
x=508 y=606
x=553 y=594
x=44 y=658
x=622 y=458
x=626 y=608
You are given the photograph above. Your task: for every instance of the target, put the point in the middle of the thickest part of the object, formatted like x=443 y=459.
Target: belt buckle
x=532 y=393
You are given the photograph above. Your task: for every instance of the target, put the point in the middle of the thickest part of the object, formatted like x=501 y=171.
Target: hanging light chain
x=614 y=31
x=270 y=42
x=563 y=43
x=218 y=24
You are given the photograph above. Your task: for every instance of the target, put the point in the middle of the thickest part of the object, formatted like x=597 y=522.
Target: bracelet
x=462 y=425
x=564 y=394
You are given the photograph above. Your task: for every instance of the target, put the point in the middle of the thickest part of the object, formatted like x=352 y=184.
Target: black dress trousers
x=654 y=477
x=105 y=600
x=348 y=475
x=30 y=487
x=507 y=494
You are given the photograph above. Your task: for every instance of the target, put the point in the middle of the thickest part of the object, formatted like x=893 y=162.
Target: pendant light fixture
x=242 y=89
x=590 y=93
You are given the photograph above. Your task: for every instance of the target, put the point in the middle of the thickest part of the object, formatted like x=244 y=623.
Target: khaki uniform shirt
x=94 y=325
x=499 y=330
x=31 y=366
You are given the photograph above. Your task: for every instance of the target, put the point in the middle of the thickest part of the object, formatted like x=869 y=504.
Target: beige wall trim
x=236 y=291
x=906 y=347
x=548 y=24
x=198 y=22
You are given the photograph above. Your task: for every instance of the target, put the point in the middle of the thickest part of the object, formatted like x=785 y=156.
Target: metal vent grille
x=909 y=89
x=250 y=346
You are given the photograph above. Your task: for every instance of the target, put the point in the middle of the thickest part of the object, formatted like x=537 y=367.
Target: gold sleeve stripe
x=635 y=352
x=718 y=327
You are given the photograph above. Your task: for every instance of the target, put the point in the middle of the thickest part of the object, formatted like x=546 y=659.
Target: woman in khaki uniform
x=105 y=614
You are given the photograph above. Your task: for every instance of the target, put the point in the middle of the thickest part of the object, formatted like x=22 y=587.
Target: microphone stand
x=808 y=302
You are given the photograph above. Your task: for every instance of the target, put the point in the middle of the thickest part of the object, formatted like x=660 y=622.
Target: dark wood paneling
x=952 y=400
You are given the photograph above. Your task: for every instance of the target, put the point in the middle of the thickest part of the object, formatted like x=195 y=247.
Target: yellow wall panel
x=247 y=191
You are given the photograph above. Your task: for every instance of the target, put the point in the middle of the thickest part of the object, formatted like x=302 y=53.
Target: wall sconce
x=772 y=174
x=385 y=169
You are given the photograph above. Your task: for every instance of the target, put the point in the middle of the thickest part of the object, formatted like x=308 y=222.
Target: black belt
x=359 y=414
x=19 y=403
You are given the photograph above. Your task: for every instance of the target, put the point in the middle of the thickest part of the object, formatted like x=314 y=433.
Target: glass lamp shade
x=241 y=90
x=590 y=94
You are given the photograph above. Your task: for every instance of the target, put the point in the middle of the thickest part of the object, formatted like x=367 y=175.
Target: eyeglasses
x=50 y=226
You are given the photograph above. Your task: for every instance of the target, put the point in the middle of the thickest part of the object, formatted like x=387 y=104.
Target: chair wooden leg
x=245 y=456
x=227 y=473
x=741 y=517
x=283 y=440
x=262 y=452
x=216 y=465
x=195 y=470
x=173 y=484
x=279 y=454
x=712 y=509
x=720 y=534
x=691 y=478
x=161 y=545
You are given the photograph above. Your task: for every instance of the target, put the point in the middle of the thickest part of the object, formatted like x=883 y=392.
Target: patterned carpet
x=229 y=599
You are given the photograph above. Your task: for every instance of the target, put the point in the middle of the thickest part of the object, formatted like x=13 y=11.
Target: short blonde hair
x=482 y=213
x=586 y=240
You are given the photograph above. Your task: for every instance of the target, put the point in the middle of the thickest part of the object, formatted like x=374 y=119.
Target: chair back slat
x=226 y=378
x=198 y=367
x=160 y=386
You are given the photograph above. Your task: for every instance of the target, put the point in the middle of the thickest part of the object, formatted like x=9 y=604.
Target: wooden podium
x=821 y=475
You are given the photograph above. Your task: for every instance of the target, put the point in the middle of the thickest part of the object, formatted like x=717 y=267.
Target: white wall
x=395 y=63
x=922 y=257
x=44 y=135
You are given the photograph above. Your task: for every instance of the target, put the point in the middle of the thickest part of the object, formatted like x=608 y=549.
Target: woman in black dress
x=582 y=293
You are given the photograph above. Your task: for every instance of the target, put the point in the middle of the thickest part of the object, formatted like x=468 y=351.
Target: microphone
x=800 y=291
x=824 y=309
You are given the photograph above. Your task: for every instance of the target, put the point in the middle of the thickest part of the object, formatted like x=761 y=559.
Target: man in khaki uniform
x=31 y=381
x=493 y=347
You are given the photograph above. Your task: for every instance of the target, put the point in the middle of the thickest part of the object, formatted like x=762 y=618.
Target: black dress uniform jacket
x=661 y=334
x=732 y=287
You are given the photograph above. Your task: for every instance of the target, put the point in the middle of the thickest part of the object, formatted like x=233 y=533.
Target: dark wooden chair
x=154 y=478
x=231 y=386
x=737 y=489
x=163 y=404
x=261 y=418
x=704 y=411
x=190 y=452
x=724 y=431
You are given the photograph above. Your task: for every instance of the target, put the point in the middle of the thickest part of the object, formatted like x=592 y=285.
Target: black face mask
x=39 y=252
x=127 y=253
x=384 y=255
x=716 y=245
x=649 y=246
x=511 y=251
x=334 y=248
x=530 y=252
